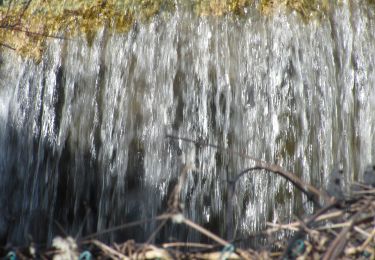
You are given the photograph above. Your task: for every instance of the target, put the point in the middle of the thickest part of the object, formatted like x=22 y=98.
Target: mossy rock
x=25 y=26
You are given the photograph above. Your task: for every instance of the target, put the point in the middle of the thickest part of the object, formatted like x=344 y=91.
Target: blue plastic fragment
x=299 y=248
x=227 y=249
x=85 y=255
x=366 y=254
x=11 y=255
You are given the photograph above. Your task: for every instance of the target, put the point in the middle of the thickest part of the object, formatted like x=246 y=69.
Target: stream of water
x=82 y=133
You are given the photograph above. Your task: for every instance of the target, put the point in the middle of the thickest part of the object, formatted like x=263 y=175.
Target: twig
x=338 y=244
x=205 y=232
x=336 y=247
x=277 y=227
x=296 y=224
x=306 y=228
x=142 y=251
x=7 y=46
x=127 y=248
x=368 y=240
x=152 y=252
x=362 y=192
x=217 y=255
x=187 y=244
x=174 y=199
x=326 y=216
x=330 y=215
x=8 y=10
x=321 y=211
x=335 y=226
x=23 y=11
x=17 y=29
x=156 y=231
x=109 y=250
x=362 y=185
x=362 y=232
x=126 y=225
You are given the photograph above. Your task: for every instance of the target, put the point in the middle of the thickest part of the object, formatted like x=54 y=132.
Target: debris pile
x=343 y=227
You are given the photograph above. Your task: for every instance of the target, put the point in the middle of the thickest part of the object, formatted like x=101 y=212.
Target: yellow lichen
x=306 y=8
x=221 y=7
x=26 y=27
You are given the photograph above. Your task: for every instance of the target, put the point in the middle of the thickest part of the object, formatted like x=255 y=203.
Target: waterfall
x=83 y=132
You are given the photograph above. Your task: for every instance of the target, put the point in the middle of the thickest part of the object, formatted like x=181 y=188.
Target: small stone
x=335 y=183
x=178 y=218
x=66 y=248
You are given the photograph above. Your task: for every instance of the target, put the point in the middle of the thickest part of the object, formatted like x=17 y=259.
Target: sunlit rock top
x=25 y=25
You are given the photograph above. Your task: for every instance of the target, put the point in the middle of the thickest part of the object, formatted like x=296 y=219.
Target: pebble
x=335 y=182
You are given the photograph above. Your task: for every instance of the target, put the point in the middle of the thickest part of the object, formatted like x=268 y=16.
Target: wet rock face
x=335 y=187
x=369 y=175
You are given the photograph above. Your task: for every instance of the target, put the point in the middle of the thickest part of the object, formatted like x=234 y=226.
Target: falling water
x=82 y=133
